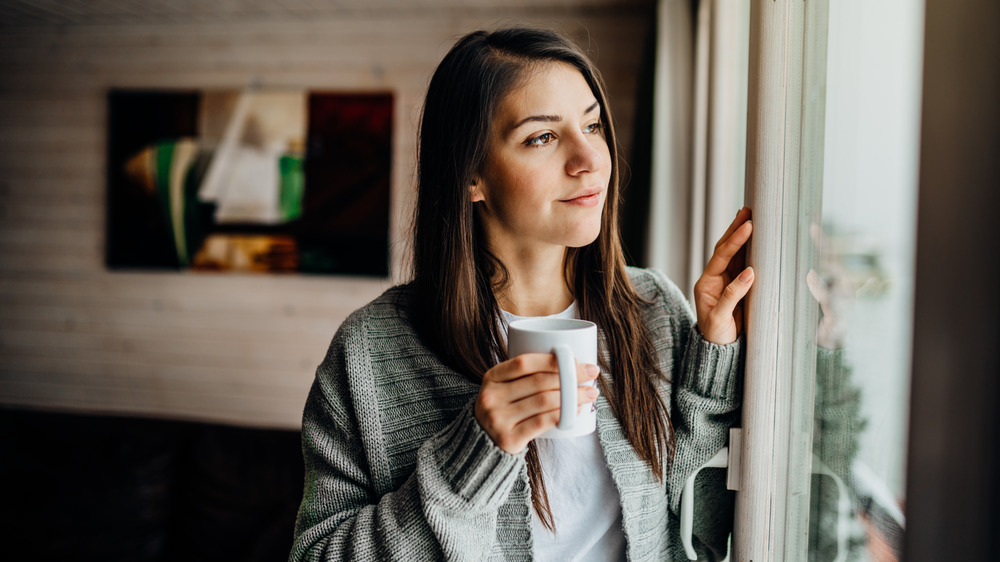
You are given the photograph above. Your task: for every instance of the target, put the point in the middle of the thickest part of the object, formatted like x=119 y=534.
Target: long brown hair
x=455 y=275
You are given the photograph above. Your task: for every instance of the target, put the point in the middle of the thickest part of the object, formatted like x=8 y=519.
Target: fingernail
x=746 y=275
x=593 y=371
x=592 y=392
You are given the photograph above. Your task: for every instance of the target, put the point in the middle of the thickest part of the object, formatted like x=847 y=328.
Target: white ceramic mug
x=571 y=341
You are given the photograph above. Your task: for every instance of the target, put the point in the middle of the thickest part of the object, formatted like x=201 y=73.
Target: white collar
x=570 y=312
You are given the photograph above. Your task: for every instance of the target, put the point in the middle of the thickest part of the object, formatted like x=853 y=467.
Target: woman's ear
x=476 y=191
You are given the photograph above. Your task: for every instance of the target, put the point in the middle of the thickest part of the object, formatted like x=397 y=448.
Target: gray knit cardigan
x=397 y=468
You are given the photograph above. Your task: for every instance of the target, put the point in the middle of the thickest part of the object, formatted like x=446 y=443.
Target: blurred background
x=149 y=405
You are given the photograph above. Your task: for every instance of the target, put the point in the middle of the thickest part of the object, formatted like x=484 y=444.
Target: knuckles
x=539 y=424
x=547 y=400
x=730 y=291
x=494 y=419
x=519 y=363
x=485 y=401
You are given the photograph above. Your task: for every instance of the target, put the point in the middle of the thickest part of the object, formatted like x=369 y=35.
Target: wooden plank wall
x=235 y=349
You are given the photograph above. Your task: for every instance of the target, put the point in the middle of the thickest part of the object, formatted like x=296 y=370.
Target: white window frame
x=787 y=56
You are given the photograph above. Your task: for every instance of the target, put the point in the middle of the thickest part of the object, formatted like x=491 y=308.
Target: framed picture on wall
x=257 y=180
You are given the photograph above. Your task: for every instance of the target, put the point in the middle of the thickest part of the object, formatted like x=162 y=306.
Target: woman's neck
x=536 y=284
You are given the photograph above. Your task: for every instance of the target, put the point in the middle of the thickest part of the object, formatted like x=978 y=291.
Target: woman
x=419 y=435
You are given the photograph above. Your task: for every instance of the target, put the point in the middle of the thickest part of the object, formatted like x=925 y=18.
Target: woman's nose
x=586 y=154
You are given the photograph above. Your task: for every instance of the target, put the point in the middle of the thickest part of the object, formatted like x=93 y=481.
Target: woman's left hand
x=721 y=288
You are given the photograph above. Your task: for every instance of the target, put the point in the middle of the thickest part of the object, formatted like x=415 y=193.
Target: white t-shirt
x=583 y=498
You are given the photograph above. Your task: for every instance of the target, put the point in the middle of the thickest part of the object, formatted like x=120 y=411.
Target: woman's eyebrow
x=547 y=118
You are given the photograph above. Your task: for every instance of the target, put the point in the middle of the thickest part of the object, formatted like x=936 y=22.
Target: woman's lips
x=586 y=199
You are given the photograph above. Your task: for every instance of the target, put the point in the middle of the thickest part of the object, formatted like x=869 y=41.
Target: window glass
x=862 y=275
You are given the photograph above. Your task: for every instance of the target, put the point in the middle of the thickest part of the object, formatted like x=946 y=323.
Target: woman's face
x=546 y=175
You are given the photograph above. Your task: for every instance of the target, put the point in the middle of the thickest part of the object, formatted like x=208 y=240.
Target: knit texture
x=397 y=468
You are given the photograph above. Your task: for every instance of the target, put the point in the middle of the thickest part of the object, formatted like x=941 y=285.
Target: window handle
x=728 y=458
x=731 y=462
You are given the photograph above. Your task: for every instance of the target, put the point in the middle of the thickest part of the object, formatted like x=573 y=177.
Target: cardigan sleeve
x=705 y=403
x=447 y=508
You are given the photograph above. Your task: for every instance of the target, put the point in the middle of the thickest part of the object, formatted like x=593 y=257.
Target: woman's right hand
x=519 y=398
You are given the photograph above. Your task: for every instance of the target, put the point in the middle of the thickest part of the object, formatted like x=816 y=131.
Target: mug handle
x=567 y=386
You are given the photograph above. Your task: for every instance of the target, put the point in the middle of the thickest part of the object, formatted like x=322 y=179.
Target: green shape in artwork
x=292 y=186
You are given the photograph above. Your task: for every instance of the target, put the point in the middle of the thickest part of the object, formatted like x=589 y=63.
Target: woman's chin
x=584 y=238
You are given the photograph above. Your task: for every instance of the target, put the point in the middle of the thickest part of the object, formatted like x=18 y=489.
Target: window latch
x=728 y=458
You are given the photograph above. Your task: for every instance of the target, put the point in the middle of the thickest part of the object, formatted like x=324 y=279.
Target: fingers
x=519 y=399
x=522 y=365
x=531 y=363
x=727 y=247
x=527 y=385
x=535 y=421
x=548 y=402
x=513 y=426
x=733 y=293
x=742 y=216
x=816 y=287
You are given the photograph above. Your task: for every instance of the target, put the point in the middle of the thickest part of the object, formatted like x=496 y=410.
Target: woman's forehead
x=554 y=90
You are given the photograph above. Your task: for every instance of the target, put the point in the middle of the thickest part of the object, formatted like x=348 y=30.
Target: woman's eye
x=542 y=139
x=593 y=128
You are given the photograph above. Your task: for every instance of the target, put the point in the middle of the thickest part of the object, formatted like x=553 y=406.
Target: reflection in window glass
x=863 y=279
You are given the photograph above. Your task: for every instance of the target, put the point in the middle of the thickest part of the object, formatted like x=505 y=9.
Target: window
x=831 y=95
x=832 y=152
